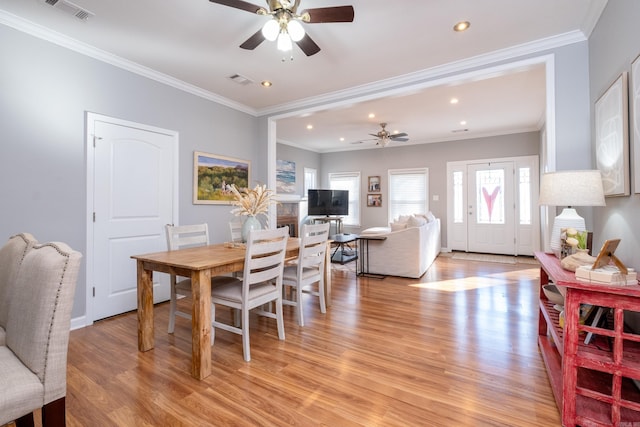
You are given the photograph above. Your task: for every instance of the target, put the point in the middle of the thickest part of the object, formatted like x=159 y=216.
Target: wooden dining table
x=199 y=264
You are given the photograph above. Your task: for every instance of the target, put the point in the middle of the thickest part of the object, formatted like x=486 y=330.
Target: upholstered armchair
x=33 y=362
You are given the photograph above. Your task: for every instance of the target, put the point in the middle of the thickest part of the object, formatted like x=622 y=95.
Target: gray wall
x=46 y=90
x=613 y=45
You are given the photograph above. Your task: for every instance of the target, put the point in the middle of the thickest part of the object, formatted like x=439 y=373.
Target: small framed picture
x=374 y=184
x=374 y=200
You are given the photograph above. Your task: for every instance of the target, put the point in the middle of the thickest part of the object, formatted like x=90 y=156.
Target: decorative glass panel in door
x=491 y=209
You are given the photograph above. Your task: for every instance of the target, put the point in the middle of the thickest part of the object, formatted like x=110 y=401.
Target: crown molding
x=369 y=90
x=59 y=39
x=422 y=76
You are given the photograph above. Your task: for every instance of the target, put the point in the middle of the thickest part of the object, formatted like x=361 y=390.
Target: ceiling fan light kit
x=285 y=24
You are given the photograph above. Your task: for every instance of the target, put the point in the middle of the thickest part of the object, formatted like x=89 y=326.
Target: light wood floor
x=455 y=348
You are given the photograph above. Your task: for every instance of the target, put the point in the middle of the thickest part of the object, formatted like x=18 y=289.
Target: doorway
x=490 y=207
x=132 y=194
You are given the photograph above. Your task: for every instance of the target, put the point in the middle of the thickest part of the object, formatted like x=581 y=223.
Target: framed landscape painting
x=213 y=176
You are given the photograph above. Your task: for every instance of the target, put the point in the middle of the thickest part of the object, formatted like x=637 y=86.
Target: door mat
x=504 y=259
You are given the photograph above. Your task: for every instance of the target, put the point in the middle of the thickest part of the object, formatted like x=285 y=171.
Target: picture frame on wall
x=374 y=200
x=285 y=177
x=213 y=176
x=612 y=137
x=374 y=184
x=635 y=121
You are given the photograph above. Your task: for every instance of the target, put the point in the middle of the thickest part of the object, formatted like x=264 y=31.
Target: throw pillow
x=431 y=216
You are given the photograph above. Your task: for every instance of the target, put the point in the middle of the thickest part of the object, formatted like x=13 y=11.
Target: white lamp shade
x=572 y=188
x=270 y=30
x=295 y=30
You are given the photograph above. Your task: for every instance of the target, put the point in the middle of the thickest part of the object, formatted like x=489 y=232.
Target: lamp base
x=569 y=218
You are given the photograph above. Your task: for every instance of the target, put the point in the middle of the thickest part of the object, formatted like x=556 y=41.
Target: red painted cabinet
x=593 y=383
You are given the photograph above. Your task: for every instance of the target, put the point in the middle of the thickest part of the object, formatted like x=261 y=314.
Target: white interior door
x=491 y=208
x=133 y=198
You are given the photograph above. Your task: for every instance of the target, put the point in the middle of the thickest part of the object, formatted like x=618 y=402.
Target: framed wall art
x=612 y=138
x=374 y=184
x=285 y=177
x=213 y=176
x=635 y=121
x=374 y=200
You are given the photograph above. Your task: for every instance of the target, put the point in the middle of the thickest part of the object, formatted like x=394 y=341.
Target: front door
x=133 y=198
x=491 y=208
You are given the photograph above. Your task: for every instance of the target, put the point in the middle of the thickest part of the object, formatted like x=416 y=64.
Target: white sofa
x=407 y=251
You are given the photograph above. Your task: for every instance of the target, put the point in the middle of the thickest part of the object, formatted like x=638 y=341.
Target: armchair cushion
x=11 y=255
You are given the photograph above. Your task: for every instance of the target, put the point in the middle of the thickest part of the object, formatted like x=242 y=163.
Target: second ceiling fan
x=285 y=23
x=383 y=137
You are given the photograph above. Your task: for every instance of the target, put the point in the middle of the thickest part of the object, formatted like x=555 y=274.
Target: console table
x=592 y=383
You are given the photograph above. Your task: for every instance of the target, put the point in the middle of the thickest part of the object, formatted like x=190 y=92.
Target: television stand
x=337 y=219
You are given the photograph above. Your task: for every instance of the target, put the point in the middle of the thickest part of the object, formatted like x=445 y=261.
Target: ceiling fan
x=285 y=25
x=384 y=137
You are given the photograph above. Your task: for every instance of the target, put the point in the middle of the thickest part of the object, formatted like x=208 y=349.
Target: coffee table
x=340 y=254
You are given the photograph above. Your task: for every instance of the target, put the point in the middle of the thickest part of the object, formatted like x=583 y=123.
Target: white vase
x=250 y=223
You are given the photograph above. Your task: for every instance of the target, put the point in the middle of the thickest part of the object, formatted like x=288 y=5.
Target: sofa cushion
x=416 y=221
x=376 y=230
x=395 y=226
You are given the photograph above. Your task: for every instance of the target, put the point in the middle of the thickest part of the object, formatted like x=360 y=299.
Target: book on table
x=607 y=275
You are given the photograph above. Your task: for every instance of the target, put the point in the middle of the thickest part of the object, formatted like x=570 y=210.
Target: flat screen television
x=328 y=202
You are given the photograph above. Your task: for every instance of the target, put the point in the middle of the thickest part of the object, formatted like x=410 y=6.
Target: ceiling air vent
x=241 y=80
x=70 y=8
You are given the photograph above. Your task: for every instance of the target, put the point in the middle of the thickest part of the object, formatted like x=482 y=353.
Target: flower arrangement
x=252 y=202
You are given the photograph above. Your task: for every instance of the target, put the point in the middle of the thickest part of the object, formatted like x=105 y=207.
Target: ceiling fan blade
x=330 y=14
x=400 y=139
x=398 y=135
x=239 y=4
x=308 y=46
x=253 y=41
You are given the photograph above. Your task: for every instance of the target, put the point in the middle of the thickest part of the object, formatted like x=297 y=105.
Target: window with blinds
x=348 y=181
x=408 y=192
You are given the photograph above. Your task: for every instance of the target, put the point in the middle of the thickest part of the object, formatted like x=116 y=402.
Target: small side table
x=363 y=248
x=340 y=254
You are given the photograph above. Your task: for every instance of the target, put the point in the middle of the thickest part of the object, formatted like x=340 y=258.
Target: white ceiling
x=394 y=48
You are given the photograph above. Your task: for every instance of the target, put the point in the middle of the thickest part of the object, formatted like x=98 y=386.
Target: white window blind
x=408 y=192
x=348 y=181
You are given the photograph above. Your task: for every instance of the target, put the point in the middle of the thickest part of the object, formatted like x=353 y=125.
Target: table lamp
x=570 y=188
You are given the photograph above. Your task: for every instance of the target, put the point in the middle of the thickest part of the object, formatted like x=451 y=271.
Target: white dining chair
x=235 y=227
x=308 y=268
x=181 y=237
x=261 y=284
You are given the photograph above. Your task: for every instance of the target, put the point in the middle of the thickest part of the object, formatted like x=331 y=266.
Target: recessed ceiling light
x=266 y=83
x=463 y=122
x=454 y=100
x=371 y=115
x=461 y=26
x=309 y=127
x=341 y=139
